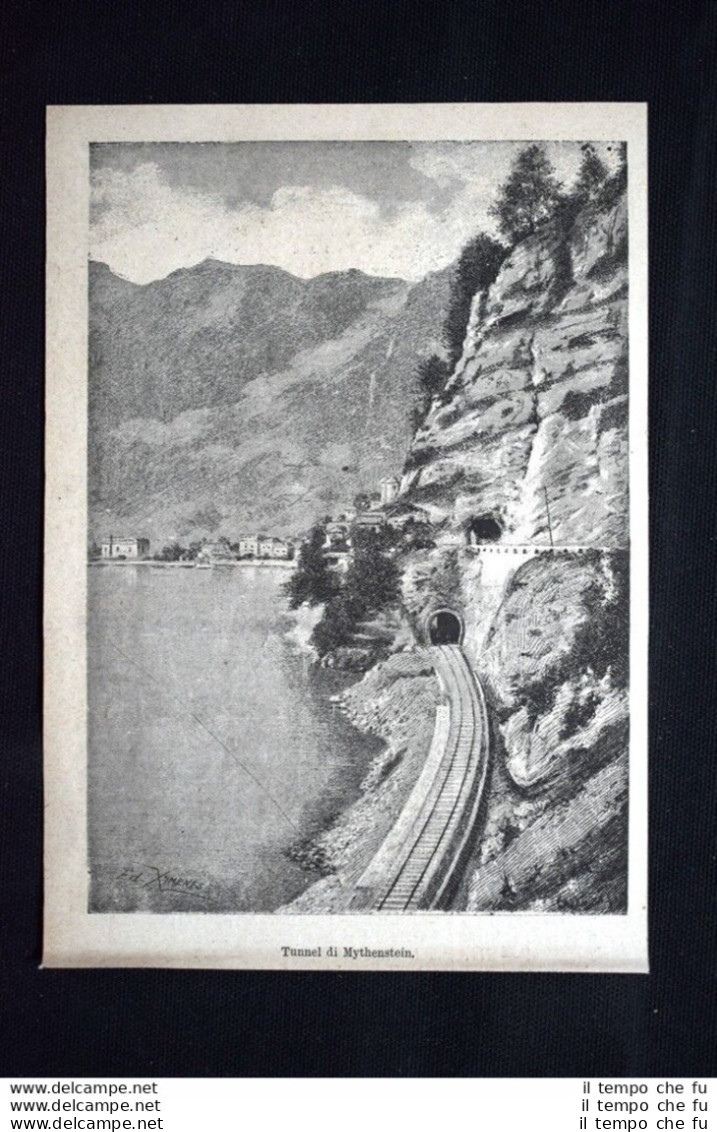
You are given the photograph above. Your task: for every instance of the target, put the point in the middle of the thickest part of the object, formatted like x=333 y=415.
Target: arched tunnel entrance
x=445 y=627
x=483 y=528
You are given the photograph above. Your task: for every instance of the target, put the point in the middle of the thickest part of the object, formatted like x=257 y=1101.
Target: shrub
x=371 y=582
x=418 y=535
x=362 y=501
x=312 y=581
x=171 y=553
x=335 y=627
x=417 y=457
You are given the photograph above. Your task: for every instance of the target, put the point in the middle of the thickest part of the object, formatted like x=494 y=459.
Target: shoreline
x=395 y=701
x=299 y=625
x=261 y=563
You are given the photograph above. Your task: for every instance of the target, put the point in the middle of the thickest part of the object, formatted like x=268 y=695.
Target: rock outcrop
x=521 y=468
x=538 y=400
x=526 y=450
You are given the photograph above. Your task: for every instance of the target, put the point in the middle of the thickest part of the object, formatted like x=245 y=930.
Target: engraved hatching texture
x=530 y=433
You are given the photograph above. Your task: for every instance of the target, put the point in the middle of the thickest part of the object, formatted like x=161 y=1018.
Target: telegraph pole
x=547 y=511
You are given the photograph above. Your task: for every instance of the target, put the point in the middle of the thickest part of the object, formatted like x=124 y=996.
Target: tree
x=312 y=581
x=592 y=176
x=418 y=535
x=431 y=374
x=362 y=501
x=171 y=553
x=616 y=184
x=372 y=580
x=336 y=625
x=529 y=197
x=477 y=267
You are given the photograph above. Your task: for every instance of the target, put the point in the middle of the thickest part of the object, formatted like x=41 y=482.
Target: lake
x=213 y=747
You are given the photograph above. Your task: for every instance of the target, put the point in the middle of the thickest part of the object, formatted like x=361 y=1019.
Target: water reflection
x=213 y=746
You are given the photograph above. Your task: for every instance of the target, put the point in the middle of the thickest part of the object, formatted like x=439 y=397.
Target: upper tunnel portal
x=483 y=528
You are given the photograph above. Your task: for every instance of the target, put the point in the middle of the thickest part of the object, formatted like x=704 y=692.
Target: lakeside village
x=120 y=550
x=346 y=569
x=368 y=514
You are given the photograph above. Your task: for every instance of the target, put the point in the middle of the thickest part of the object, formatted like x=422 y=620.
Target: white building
x=263 y=546
x=270 y=547
x=389 y=490
x=336 y=531
x=121 y=547
x=249 y=546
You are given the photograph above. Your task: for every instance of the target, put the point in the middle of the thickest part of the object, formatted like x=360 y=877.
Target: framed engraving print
x=346 y=566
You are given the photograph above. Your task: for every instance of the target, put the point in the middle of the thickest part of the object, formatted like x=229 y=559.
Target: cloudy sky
x=388 y=208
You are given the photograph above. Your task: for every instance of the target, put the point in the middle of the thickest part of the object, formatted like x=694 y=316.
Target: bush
x=335 y=627
x=312 y=581
x=171 y=553
x=417 y=457
x=371 y=582
x=362 y=501
x=418 y=535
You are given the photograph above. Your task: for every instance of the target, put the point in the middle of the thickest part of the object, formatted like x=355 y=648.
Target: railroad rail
x=419 y=864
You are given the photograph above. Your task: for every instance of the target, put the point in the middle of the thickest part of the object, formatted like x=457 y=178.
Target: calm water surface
x=181 y=819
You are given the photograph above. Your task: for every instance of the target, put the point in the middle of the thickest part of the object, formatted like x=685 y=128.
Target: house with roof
x=370 y=520
x=119 y=546
x=271 y=547
x=264 y=546
x=248 y=546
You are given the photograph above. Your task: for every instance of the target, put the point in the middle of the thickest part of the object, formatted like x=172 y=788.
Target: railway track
x=417 y=868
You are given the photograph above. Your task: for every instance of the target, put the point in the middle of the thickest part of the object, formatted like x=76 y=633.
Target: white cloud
x=146 y=228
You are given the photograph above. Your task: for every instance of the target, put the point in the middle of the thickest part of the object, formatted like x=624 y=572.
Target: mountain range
x=226 y=397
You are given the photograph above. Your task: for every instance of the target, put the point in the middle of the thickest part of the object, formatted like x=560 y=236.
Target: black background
x=195 y=1023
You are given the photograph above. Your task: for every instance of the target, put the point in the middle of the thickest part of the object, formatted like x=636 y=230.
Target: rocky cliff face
x=528 y=447
x=538 y=400
x=521 y=467
x=225 y=397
